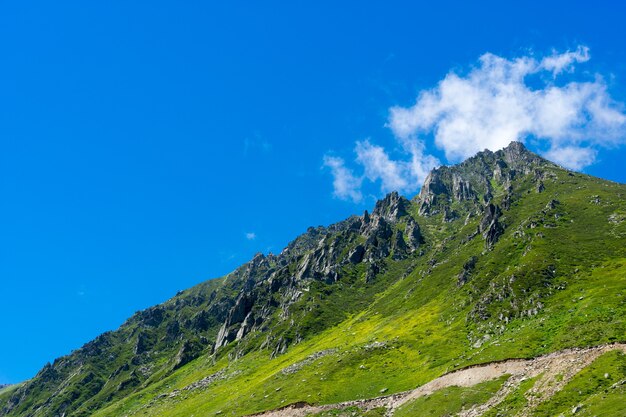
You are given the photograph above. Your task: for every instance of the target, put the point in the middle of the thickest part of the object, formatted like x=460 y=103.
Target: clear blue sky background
x=142 y=143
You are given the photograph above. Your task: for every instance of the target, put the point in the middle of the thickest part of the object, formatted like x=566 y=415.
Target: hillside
x=503 y=256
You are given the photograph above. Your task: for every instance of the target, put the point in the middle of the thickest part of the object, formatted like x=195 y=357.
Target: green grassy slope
x=450 y=401
x=599 y=390
x=554 y=278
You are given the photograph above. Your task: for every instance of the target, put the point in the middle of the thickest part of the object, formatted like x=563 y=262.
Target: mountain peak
x=515 y=153
x=475 y=178
x=517 y=146
x=501 y=263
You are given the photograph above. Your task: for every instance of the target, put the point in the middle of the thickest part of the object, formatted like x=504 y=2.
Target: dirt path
x=564 y=364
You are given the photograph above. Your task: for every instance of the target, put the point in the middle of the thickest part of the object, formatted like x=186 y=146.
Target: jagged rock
x=189 y=350
x=508 y=197
x=552 y=204
x=242 y=307
x=332 y=276
x=172 y=330
x=224 y=336
x=540 y=187
x=246 y=326
x=378 y=234
x=399 y=246
x=152 y=316
x=281 y=347
x=144 y=343
x=468 y=268
x=448 y=215
x=356 y=255
x=238 y=313
x=413 y=234
x=490 y=227
x=318 y=255
x=433 y=187
x=461 y=189
x=201 y=321
x=392 y=207
x=472 y=180
x=371 y=272
x=519 y=158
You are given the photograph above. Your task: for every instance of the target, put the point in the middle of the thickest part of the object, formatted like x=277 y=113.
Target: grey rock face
x=392 y=207
x=473 y=180
x=461 y=189
x=490 y=227
x=272 y=283
x=321 y=254
x=413 y=234
x=189 y=350
x=356 y=255
x=468 y=268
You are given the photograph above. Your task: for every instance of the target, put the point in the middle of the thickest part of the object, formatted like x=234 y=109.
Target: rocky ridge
x=274 y=282
x=276 y=301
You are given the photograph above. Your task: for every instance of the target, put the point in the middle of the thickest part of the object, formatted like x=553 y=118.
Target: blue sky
x=148 y=146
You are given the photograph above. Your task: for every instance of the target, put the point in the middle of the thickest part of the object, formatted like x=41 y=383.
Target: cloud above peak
x=494 y=103
x=566 y=115
x=346 y=186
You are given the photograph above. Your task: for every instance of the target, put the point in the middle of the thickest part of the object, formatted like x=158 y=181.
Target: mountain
x=503 y=257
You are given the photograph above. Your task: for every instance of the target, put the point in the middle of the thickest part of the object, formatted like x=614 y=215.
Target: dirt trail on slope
x=566 y=363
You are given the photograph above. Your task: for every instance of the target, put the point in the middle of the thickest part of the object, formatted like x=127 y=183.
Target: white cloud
x=346 y=185
x=250 y=235
x=494 y=104
x=420 y=164
x=560 y=62
x=497 y=101
x=574 y=157
x=405 y=175
x=377 y=165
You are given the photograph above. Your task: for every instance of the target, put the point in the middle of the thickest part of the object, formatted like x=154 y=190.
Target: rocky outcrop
x=144 y=343
x=276 y=282
x=466 y=273
x=389 y=232
x=473 y=181
x=490 y=226
x=189 y=350
x=392 y=207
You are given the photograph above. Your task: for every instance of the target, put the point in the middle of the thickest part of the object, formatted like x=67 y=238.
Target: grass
x=450 y=401
x=554 y=280
x=598 y=390
x=426 y=321
x=514 y=403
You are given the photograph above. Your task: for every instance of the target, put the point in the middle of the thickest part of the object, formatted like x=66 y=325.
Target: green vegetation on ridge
x=327 y=322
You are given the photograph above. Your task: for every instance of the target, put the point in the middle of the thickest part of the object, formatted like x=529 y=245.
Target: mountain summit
x=506 y=255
